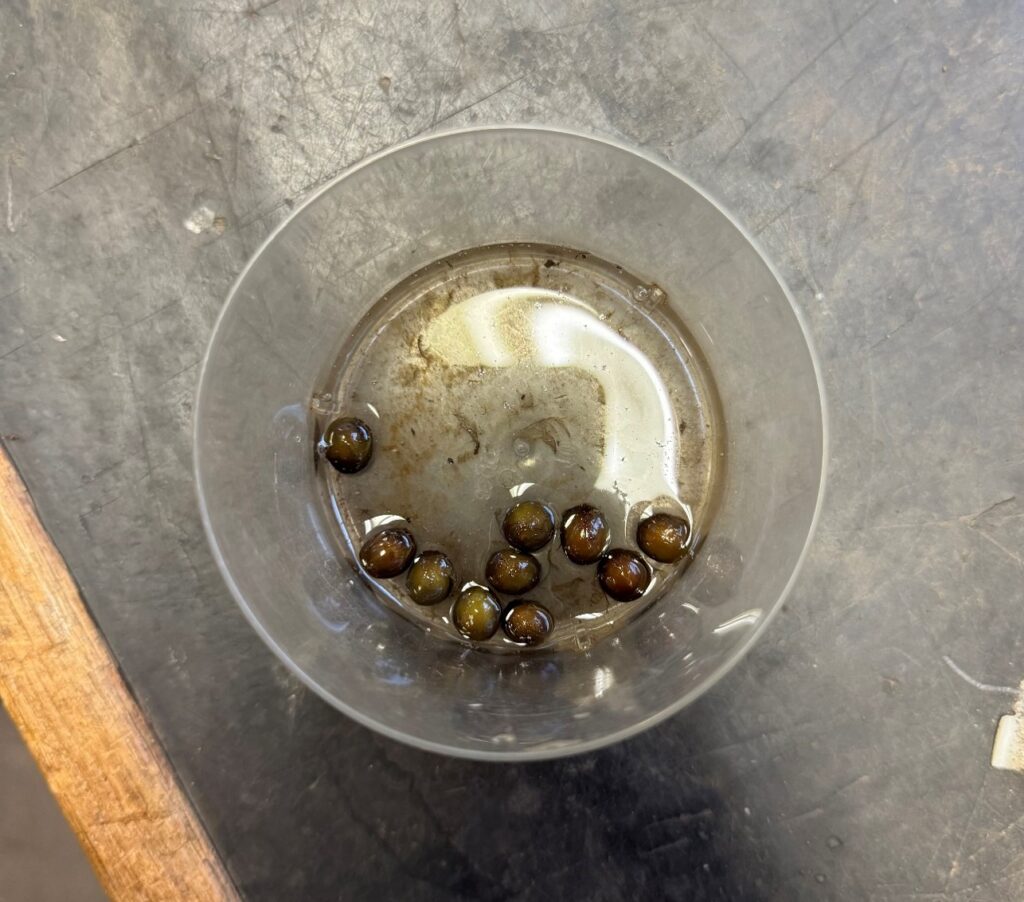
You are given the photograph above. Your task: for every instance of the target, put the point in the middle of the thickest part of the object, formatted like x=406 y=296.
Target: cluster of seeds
x=528 y=526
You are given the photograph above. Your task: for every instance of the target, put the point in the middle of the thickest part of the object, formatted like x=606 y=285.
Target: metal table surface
x=874 y=147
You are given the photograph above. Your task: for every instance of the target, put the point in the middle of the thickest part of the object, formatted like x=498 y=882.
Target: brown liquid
x=524 y=372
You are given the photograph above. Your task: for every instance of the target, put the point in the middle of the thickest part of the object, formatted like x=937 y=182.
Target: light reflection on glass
x=604 y=679
x=747 y=618
x=509 y=327
x=374 y=522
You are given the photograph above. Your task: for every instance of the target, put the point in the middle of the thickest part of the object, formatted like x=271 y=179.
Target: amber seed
x=512 y=572
x=529 y=525
x=476 y=613
x=527 y=623
x=663 y=537
x=387 y=553
x=623 y=575
x=429 y=580
x=585 y=534
x=347 y=444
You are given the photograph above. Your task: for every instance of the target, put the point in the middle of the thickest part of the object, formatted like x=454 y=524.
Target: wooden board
x=101 y=760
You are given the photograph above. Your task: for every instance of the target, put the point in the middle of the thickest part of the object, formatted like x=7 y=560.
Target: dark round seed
x=513 y=572
x=585 y=534
x=429 y=580
x=663 y=537
x=387 y=553
x=476 y=613
x=527 y=623
x=623 y=575
x=529 y=525
x=347 y=444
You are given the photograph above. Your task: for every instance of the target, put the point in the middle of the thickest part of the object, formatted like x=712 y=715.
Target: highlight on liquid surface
x=514 y=372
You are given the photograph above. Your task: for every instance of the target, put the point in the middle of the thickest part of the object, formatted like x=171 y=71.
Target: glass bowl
x=312 y=282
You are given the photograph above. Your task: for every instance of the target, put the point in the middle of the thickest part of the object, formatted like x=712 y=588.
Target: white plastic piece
x=1008 y=748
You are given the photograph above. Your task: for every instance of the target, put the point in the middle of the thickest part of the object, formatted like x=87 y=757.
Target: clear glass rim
x=541 y=753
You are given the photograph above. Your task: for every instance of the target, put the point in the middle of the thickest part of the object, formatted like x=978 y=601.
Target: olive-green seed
x=623 y=575
x=512 y=572
x=476 y=613
x=388 y=552
x=585 y=534
x=347 y=444
x=527 y=623
x=663 y=537
x=529 y=525
x=429 y=580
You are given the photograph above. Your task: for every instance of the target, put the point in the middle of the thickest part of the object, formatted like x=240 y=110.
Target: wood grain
x=100 y=758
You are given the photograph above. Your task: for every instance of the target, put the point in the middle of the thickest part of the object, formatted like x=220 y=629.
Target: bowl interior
x=312 y=282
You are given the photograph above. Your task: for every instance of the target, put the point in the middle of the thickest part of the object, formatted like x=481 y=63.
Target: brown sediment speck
x=423 y=352
x=472 y=430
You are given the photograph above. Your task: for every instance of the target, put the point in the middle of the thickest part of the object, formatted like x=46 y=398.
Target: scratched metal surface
x=874 y=148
